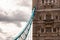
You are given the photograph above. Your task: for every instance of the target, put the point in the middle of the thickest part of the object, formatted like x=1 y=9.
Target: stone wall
x=41 y=20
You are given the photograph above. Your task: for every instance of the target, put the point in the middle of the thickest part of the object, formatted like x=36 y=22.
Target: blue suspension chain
x=27 y=28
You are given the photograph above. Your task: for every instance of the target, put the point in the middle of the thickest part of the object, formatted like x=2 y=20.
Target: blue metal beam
x=29 y=23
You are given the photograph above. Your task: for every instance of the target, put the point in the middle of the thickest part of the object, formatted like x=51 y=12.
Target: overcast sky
x=15 y=10
x=13 y=16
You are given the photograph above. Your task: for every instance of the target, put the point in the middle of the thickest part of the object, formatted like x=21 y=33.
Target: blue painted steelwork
x=27 y=28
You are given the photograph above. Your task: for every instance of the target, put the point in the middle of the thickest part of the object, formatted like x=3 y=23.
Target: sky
x=14 y=15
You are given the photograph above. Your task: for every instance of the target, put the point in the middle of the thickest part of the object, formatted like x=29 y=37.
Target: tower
x=46 y=23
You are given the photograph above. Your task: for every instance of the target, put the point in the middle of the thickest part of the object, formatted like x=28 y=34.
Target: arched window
x=48 y=16
x=40 y=17
x=42 y=30
x=54 y=29
x=56 y=17
x=48 y=29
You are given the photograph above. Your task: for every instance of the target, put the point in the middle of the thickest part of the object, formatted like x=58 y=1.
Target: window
x=40 y=17
x=48 y=16
x=54 y=29
x=48 y=29
x=42 y=1
x=56 y=17
x=42 y=30
x=50 y=1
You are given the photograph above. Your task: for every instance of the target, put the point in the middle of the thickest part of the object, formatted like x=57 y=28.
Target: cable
x=28 y=26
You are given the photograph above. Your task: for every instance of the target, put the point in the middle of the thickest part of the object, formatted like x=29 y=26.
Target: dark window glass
x=48 y=29
x=40 y=17
x=48 y=16
x=56 y=17
x=54 y=29
x=42 y=1
x=42 y=30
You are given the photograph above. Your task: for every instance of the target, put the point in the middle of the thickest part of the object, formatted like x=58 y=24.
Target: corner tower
x=46 y=23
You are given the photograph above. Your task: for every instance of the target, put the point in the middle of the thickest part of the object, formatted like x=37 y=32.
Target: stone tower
x=46 y=23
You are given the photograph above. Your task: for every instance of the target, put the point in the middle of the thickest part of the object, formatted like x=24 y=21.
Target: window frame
x=42 y=30
x=56 y=17
x=48 y=29
x=54 y=30
x=48 y=16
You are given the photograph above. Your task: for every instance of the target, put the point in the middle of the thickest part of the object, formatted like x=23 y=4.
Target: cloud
x=20 y=13
x=19 y=16
x=27 y=3
x=15 y=17
x=15 y=11
x=12 y=13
